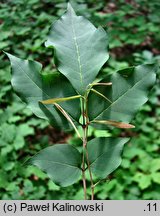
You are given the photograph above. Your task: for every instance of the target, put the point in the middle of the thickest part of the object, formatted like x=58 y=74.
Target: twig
x=83 y=156
x=85 y=132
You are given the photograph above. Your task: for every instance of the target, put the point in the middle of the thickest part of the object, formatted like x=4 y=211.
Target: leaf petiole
x=114 y=123
x=102 y=84
x=57 y=100
x=68 y=118
x=100 y=94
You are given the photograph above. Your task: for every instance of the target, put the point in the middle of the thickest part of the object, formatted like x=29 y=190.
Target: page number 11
x=151 y=207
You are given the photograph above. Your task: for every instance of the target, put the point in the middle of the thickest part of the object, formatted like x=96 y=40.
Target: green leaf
x=19 y=142
x=32 y=87
x=81 y=49
x=25 y=130
x=29 y=171
x=28 y=186
x=154 y=164
x=128 y=93
x=3 y=179
x=102 y=133
x=61 y=162
x=105 y=155
x=156 y=177
x=7 y=134
x=144 y=181
x=52 y=186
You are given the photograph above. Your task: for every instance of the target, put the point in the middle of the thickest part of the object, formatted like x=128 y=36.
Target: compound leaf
x=61 y=162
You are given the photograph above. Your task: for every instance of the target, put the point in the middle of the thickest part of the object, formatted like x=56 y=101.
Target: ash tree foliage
x=78 y=96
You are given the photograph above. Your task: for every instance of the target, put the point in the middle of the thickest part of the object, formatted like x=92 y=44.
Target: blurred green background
x=134 y=35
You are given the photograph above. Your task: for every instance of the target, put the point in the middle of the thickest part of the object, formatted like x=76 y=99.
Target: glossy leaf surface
x=61 y=162
x=81 y=49
x=105 y=155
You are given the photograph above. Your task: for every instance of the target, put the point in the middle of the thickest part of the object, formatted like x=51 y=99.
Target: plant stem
x=85 y=134
x=90 y=173
x=83 y=157
x=83 y=176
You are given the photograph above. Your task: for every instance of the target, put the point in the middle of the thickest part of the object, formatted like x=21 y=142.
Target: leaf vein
x=63 y=164
x=78 y=54
x=144 y=77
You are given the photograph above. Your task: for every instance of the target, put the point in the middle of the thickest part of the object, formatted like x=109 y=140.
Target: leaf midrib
x=78 y=52
x=63 y=164
x=144 y=77
x=99 y=156
x=119 y=144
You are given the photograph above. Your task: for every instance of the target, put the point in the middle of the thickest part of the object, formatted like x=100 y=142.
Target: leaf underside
x=81 y=49
x=61 y=162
